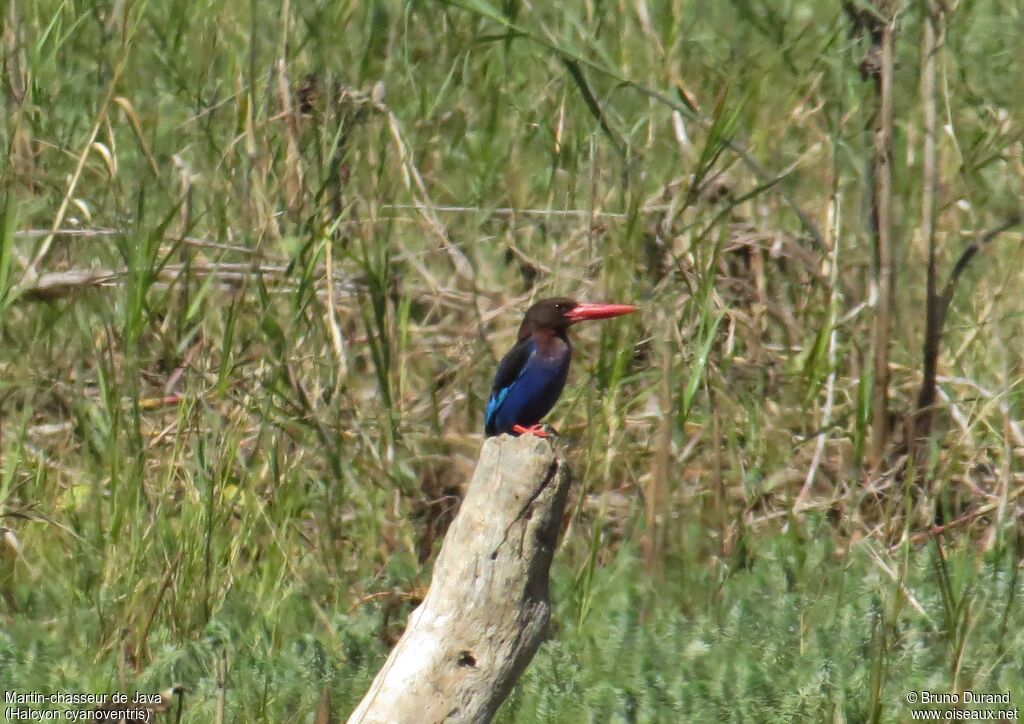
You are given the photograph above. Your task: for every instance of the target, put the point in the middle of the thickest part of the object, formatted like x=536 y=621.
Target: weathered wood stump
x=487 y=609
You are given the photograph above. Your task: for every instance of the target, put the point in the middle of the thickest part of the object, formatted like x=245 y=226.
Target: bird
x=531 y=376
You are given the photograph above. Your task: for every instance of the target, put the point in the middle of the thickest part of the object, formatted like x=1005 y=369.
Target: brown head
x=557 y=314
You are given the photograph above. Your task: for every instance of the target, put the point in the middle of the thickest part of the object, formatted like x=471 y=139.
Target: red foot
x=537 y=430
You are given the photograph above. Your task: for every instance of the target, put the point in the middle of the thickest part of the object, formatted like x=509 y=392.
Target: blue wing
x=527 y=385
x=510 y=369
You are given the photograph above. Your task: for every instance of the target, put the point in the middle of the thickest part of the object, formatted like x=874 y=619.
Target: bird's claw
x=535 y=430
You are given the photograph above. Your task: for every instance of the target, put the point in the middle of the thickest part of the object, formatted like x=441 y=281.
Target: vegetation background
x=258 y=261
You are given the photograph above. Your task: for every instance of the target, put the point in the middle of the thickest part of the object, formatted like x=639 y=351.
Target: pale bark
x=487 y=609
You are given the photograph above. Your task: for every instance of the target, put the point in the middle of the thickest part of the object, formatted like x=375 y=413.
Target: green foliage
x=257 y=262
x=788 y=639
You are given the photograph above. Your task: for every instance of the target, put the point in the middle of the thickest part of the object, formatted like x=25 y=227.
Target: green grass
x=229 y=462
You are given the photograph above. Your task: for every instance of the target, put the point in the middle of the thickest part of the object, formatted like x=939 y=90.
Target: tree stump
x=487 y=609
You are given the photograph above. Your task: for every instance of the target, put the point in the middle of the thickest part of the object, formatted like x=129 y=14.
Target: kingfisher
x=531 y=376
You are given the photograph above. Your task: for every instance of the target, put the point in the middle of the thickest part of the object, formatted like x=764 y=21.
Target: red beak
x=582 y=312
